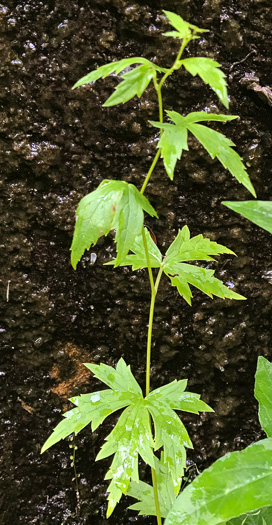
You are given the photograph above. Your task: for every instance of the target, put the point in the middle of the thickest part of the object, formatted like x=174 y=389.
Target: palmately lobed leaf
x=120 y=379
x=114 y=205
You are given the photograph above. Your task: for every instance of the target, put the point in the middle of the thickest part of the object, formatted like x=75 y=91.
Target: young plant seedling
x=118 y=206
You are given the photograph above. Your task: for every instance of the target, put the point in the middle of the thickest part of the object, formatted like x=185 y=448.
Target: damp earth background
x=56 y=146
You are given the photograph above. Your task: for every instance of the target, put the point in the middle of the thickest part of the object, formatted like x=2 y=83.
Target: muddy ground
x=56 y=146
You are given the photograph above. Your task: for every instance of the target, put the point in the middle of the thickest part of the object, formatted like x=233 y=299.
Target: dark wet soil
x=56 y=146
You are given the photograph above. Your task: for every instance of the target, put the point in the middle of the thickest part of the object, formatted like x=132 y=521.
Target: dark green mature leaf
x=237 y=483
x=210 y=73
x=263 y=393
x=145 y=493
x=259 y=212
x=257 y=517
x=184 y=29
x=174 y=140
x=114 y=205
x=134 y=82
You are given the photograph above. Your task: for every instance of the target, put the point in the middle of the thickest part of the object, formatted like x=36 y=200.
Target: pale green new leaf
x=120 y=379
x=257 y=517
x=145 y=493
x=114 y=205
x=259 y=212
x=134 y=82
x=209 y=72
x=174 y=140
x=130 y=437
x=195 y=249
x=217 y=145
x=138 y=258
x=263 y=393
x=237 y=483
x=183 y=29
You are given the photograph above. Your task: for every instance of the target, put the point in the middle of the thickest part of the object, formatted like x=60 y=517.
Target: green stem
x=150 y=171
x=156 y=496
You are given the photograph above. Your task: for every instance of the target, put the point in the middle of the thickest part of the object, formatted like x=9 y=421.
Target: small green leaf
x=138 y=258
x=259 y=212
x=210 y=73
x=220 y=146
x=195 y=249
x=134 y=82
x=130 y=437
x=238 y=482
x=257 y=517
x=114 y=205
x=184 y=29
x=181 y=274
x=145 y=493
x=174 y=140
x=263 y=393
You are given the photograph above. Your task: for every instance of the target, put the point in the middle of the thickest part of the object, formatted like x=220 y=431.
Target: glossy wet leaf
x=95 y=407
x=133 y=82
x=169 y=429
x=238 y=482
x=257 y=517
x=130 y=438
x=210 y=72
x=174 y=140
x=183 y=29
x=138 y=258
x=144 y=492
x=263 y=393
x=114 y=205
x=259 y=212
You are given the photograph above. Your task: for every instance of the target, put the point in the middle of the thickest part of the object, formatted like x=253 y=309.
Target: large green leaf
x=174 y=140
x=263 y=393
x=257 y=517
x=210 y=73
x=259 y=212
x=238 y=482
x=183 y=29
x=134 y=82
x=114 y=205
x=144 y=493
